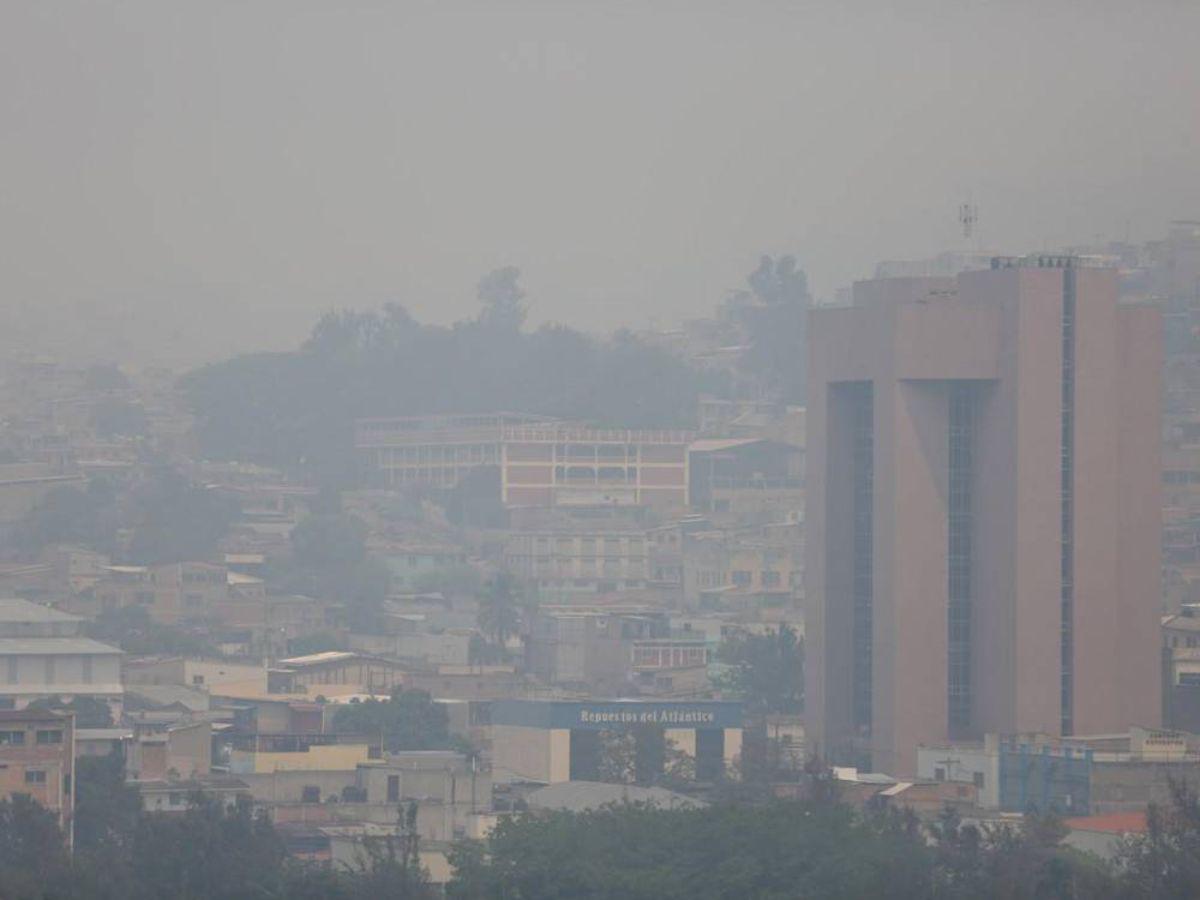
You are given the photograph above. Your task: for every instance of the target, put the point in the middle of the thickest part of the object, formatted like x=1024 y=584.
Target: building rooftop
x=103 y=734
x=54 y=647
x=1112 y=823
x=1182 y=622
x=313 y=659
x=711 y=445
x=15 y=610
x=31 y=715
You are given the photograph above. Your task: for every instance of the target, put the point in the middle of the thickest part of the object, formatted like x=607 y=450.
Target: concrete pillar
x=560 y=755
x=733 y=748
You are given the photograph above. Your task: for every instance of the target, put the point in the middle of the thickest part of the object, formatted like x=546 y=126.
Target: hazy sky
x=203 y=177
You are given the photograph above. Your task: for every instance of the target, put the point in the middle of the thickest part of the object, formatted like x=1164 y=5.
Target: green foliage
x=777 y=850
x=107 y=809
x=104 y=377
x=408 y=720
x=816 y=848
x=774 y=313
x=134 y=631
x=213 y=851
x=499 y=614
x=167 y=517
x=174 y=520
x=33 y=856
x=1165 y=862
x=330 y=560
x=502 y=299
x=765 y=670
x=69 y=515
x=89 y=712
x=323 y=541
x=112 y=417
x=296 y=410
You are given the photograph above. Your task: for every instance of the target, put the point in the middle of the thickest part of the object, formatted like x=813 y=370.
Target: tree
x=502 y=299
x=408 y=720
x=89 y=712
x=112 y=417
x=134 y=630
x=775 y=850
x=212 y=851
x=329 y=541
x=108 y=813
x=766 y=670
x=174 y=520
x=499 y=609
x=389 y=867
x=70 y=515
x=774 y=313
x=330 y=559
x=104 y=377
x=33 y=855
x=1165 y=862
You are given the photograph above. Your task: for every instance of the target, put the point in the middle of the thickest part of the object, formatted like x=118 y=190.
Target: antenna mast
x=968 y=215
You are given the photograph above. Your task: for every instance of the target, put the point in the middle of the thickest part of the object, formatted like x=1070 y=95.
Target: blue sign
x=617 y=714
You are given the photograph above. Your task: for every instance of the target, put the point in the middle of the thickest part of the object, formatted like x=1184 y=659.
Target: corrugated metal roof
x=53 y=646
x=13 y=609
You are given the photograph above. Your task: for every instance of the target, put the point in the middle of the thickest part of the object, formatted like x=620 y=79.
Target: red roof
x=1115 y=823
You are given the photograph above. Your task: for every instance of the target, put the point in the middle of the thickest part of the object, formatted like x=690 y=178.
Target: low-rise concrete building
x=338 y=669
x=37 y=757
x=548 y=741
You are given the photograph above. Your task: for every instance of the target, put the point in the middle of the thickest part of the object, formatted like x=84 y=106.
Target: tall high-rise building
x=983 y=511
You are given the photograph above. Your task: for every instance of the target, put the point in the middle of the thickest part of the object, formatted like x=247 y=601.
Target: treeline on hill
x=296 y=409
x=815 y=847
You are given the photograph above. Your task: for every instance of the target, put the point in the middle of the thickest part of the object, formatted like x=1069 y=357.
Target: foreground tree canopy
x=816 y=847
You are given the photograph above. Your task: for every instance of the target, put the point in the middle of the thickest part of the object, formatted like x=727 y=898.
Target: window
x=35 y=776
x=50 y=673
x=939 y=774
x=174 y=798
x=197 y=679
x=978 y=778
x=393 y=788
x=310 y=793
x=741 y=578
x=13 y=677
x=12 y=738
x=50 y=736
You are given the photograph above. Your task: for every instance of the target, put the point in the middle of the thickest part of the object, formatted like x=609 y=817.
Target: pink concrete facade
x=1035 y=553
